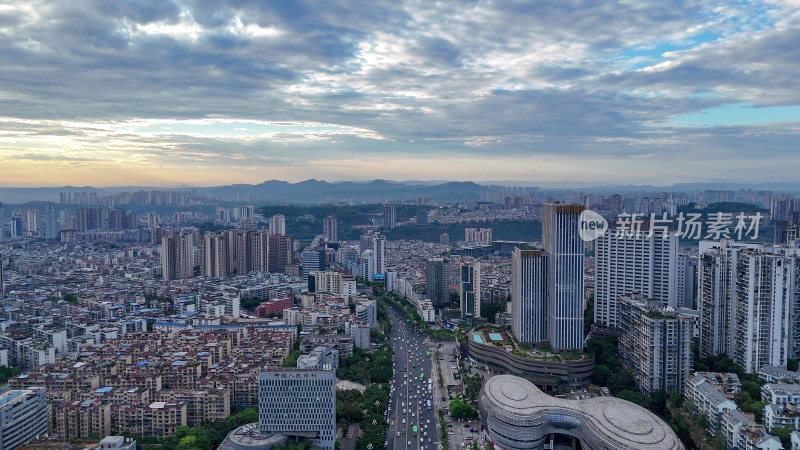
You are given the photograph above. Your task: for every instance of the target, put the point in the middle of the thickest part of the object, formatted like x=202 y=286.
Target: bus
x=428 y=404
x=414 y=430
x=421 y=376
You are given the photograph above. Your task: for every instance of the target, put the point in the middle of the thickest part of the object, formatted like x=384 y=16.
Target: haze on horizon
x=182 y=92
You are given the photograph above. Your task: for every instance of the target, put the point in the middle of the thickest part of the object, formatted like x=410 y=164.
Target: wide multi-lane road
x=411 y=391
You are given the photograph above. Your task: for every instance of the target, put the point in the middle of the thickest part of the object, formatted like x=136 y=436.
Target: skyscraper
x=330 y=229
x=642 y=263
x=16 y=227
x=438 y=288
x=298 y=401
x=51 y=222
x=214 y=260
x=470 y=289
x=529 y=295
x=388 y=217
x=277 y=225
x=560 y=238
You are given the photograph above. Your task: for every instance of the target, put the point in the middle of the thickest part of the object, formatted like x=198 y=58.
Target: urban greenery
x=609 y=371
x=461 y=410
x=489 y=310
x=364 y=367
x=6 y=373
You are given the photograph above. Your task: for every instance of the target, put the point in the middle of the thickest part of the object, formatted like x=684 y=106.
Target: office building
x=565 y=250
x=655 y=343
x=23 y=416
x=299 y=403
x=469 y=289
x=438 y=287
x=51 y=222
x=330 y=229
x=313 y=260
x=277 y=225
x=17 y=229
x=642 y=263
x=388 y=217
x=529 y=295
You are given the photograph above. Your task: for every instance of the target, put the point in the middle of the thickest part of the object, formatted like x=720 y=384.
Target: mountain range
x=317 y=191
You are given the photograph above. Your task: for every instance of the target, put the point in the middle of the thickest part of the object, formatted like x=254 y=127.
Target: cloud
x=391 y=80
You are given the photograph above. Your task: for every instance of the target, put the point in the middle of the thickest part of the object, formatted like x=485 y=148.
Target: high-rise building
x=469 y=289
x=214 y=259
x=565 y=248
x=313 y=260
x=23 y=416
x=234 y=252
x=684 y=281
x=366 y=265
x=177 y=255
x=389 y=217
x=438 y=288
x=51 y=222
x=655 y=344
x=2 y=222
x=529 y=295
x=379 y=252
x=92 y=218
x=749 y=302
x=153 y=220
x=32 y=220
x=765 y=287
x=16 y=227
x=280 y=252
x=299 y=402
x=642 y=263
x=330 y=229
x=2 y=279
x=277 y=224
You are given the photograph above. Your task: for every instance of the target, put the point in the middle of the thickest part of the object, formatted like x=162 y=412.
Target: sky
x=203 y=93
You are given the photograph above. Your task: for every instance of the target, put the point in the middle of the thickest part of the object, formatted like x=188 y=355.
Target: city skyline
x=181 y=92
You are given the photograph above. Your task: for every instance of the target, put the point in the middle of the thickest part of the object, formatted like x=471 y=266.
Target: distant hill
x=377 y=191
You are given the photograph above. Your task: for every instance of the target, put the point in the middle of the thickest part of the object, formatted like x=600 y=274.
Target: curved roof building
x=520 y=416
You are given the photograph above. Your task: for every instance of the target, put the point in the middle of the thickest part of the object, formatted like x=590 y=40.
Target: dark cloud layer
x=499 y=78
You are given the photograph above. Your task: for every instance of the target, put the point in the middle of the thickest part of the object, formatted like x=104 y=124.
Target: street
x=412 y=425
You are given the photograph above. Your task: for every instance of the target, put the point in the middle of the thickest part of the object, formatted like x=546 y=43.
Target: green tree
x=460 y=410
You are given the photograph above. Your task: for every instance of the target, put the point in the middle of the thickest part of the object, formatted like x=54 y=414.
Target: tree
x=460 y=410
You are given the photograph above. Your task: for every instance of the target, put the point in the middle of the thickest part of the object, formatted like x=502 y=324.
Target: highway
x=408 y=406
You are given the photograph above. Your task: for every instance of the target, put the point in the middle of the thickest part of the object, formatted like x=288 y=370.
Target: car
x=409 y=442
x=398 y=434
x=429 y=421
x=404 y=420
